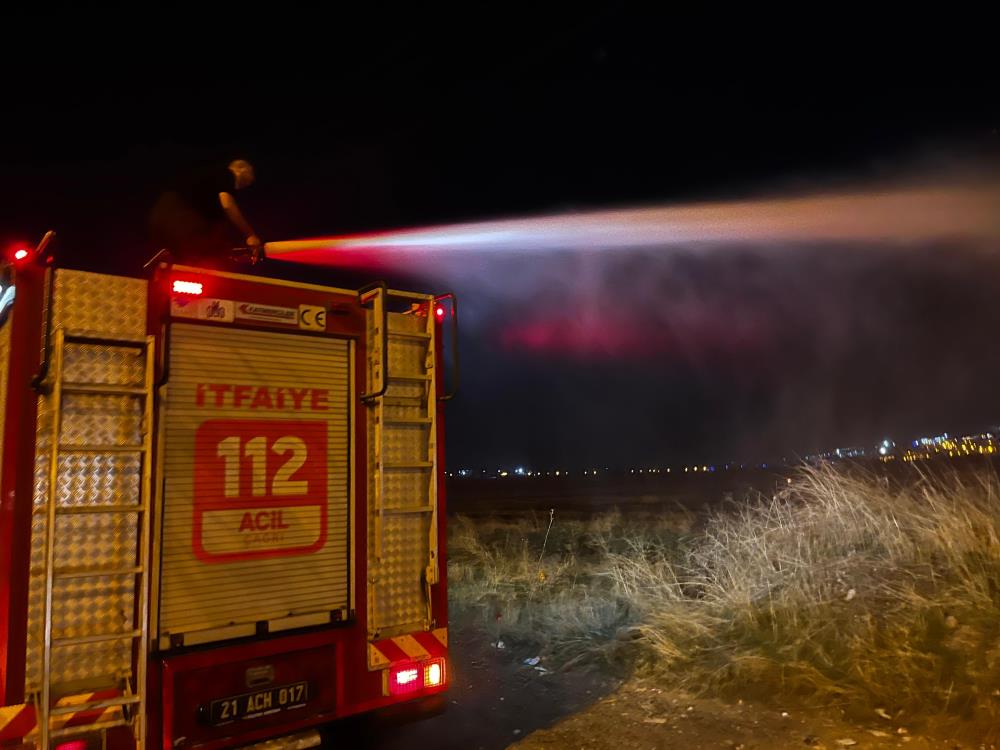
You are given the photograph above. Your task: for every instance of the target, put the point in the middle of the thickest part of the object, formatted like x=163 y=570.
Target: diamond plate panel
x=407 y=357
x=406 y=489
x=94 y=304
x=87 y=606
x=398 y=597
x=109 y=307
x=412 y=410
x=405 y=444
x=101 y=420
x=108 y=365
x=415 y=391
x=93 y=605
x=403 y=322
x=90 y=479
x=399 y=593
x=92 y=540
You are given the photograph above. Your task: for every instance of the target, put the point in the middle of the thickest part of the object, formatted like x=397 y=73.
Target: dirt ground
x=494 y=698
x=639 y=715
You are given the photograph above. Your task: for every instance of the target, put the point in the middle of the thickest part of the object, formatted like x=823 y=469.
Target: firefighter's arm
x=236 y=216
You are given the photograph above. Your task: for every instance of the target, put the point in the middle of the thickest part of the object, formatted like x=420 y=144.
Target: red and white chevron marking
x=411 y=647
x=18 y=722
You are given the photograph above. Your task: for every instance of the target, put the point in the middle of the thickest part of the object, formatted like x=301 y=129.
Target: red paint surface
x=262 y=512
x=17 y=483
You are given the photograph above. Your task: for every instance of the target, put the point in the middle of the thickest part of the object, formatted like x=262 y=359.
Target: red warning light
x=187 y=287
x=23 y=253
x=409 y=677
x=439 y=312
x=405 y=679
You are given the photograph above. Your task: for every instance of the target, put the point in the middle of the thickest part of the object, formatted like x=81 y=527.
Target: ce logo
x=312 y=318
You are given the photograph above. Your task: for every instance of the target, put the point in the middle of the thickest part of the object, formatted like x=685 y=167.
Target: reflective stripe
x=92 y=716
x=411 y=647
x=435 y=642
x=16 y=721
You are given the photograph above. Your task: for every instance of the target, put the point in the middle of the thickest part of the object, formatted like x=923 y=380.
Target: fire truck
x=221 y=506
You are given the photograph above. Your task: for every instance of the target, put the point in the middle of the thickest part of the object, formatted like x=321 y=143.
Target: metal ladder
x=132 y=702
x=380 y=399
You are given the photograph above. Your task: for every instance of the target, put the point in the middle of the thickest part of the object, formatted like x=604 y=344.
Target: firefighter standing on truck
x=197 y=220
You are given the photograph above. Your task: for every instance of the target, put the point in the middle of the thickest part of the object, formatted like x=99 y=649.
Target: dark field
x=579 y=496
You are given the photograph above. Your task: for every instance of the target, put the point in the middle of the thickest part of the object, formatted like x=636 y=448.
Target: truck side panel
x=112 y=307
x=23 y=331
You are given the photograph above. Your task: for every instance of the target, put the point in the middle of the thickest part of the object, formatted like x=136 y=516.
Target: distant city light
x=985 y=444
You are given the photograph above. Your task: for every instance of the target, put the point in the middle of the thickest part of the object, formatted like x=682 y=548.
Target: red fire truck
x=221 y=506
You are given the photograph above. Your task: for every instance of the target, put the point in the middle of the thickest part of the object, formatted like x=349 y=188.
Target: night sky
x=729 y=351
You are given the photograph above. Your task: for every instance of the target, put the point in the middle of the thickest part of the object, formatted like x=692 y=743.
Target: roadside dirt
x=641 y=716
x=494 y=698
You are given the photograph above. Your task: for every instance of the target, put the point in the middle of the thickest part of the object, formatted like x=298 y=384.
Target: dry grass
x=843 y=590
x=576 y=596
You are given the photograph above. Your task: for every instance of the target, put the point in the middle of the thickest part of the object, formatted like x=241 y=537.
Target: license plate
x=259 y=703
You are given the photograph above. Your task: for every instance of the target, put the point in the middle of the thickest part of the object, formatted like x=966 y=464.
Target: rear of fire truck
x=221 y=507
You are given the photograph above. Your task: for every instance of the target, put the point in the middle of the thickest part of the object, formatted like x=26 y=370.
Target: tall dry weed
x=844 y=589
